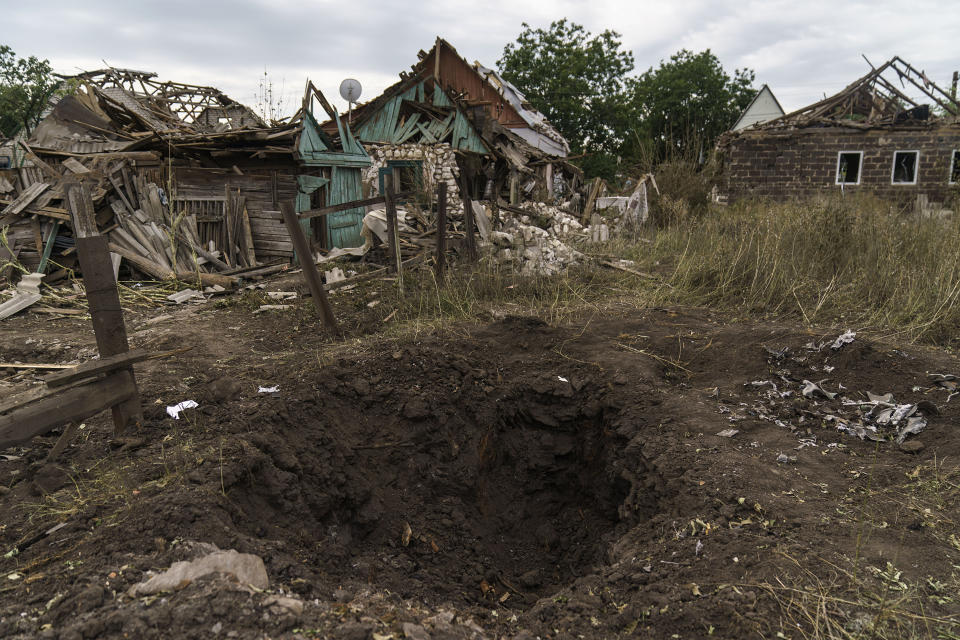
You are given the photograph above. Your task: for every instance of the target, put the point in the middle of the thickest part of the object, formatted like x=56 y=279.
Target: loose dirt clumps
x=504 y=480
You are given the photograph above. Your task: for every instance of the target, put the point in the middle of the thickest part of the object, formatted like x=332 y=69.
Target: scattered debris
x=811 y=390
x=26 y=294
x=274 y=389
x=245 y=568
x=283 y=604
x=174 y=410
x=273 y=307
x=844 y=338
x=186 y=295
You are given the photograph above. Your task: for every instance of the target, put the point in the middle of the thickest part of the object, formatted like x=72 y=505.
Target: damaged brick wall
x=438 y=163
x=803 y=162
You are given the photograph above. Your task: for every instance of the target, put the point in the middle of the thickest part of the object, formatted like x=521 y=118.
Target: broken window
x=954 y=167
x=848 y=167
x=905 y=167
x=408 y=177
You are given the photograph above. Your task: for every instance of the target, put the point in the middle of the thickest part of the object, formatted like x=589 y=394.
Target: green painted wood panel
x=314 y=152
x=344 y=227
x=440 y=98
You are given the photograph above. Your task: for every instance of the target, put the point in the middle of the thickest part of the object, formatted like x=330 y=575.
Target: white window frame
x=836 y=170
x=916 y=167
x=953 y=162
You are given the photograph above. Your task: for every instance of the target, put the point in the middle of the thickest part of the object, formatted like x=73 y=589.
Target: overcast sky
x=802 y=49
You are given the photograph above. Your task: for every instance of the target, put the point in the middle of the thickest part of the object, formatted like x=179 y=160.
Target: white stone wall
x=439 y=165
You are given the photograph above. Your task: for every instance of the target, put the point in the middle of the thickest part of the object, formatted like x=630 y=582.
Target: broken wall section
x=434 y=163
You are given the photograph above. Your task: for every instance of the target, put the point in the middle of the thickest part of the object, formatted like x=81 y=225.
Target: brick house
x=869 y=137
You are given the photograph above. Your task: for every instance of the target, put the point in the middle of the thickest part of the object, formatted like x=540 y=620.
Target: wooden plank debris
x=346 y=206
x=310 y=273
x=393 y=232
x=77 y=403
x=28 y=365
x=26 y=196
x=102 y=298
x=441 y=229
x=93 y=368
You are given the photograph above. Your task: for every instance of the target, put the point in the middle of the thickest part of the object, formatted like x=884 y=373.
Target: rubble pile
x=791 y=401
x=538 y=240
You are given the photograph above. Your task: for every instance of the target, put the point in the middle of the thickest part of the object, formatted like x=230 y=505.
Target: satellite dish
x=350 y=90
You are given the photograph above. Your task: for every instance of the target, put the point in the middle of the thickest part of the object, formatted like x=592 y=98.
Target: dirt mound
x=513 y=478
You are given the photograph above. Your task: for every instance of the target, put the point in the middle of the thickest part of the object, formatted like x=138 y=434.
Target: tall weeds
x=850 y=260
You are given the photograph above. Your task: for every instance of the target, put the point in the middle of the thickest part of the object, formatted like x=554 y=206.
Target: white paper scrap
x=174 y=411
x=268 y=389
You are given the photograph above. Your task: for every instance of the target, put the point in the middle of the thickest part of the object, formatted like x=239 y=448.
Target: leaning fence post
x=310 y=273
x=103 y=298
x=468 y=222
x=441 y=228
x=393 y=230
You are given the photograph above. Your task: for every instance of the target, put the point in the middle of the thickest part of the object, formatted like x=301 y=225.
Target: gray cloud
x=801 y=49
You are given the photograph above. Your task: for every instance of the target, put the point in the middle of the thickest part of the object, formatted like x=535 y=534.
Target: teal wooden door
x=344 y=227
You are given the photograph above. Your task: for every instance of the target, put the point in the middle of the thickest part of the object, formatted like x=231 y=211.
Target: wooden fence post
x=310 y=273
x=468 y=221
x=441 y=228
x=393 y=228
x=102 y=297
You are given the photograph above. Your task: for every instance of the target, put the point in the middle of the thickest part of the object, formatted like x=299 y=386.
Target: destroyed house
x=183 y=178
x=872 y=136
x=447 y=118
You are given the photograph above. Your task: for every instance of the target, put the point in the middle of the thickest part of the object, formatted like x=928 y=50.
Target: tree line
x=613 y=120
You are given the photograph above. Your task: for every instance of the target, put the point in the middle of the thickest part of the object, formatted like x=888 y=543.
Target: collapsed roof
x=540 y=133
x=413 y=111
x=873 y=100
x=122 y=110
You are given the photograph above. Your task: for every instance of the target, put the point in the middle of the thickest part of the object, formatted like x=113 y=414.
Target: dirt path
x=509 y=480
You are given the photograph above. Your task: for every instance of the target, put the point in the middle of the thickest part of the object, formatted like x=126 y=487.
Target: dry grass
x=855 y=262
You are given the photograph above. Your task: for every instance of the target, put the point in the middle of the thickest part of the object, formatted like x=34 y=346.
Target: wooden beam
x=441 y=229
x=26 y=196
x=27 y=365
x=104 y=365
x=48 y=248
x=393 y=234
x=102 y=297
x=310 y=273
x=591 y=201
x=345 y=206
x=75 y=404
x=47 y=169
x=468 y=220
x=81 y=210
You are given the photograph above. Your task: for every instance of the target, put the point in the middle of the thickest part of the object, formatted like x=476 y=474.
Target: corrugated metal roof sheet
x=540 y=133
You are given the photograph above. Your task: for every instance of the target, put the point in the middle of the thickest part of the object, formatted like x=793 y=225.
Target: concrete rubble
x=537 y=242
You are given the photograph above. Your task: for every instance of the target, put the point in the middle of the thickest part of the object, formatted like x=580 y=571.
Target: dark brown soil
x=490 y=481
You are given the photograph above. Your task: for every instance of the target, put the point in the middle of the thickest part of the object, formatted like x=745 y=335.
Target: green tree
x=26 y=85
x=686 y=103
x=578 y=80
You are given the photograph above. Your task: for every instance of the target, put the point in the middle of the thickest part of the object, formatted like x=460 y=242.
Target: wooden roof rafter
x=184 y=101
x=871 y=100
